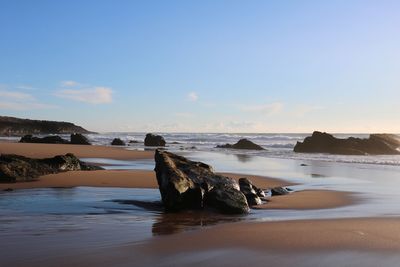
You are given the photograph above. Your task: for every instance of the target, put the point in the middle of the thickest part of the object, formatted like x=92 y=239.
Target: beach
x=277 y=227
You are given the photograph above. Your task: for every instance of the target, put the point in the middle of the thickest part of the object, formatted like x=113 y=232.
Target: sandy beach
x=365 y=234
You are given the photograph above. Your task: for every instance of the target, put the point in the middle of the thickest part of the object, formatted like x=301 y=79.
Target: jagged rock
x=251 y=192
x=376 y=144
x=79 y=139
x=53 y=139
x=117 y=142
x=154 y=140
x=242 y=144
x=279 y=191
x=186 y=184
x=15 y=168
x=19 y=127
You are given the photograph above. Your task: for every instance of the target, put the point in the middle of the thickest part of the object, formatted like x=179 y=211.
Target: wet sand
x=303 y=235
x=81 y=151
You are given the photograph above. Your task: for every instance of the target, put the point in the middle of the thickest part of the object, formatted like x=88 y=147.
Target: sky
x=203 y=66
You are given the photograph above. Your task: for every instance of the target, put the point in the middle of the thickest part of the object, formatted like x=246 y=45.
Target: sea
x=277 y=145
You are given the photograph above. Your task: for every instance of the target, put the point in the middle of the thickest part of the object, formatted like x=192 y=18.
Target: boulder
x=117 y=142
x=376 y=144
x=185 y=184
x=15 y=168
x=79 y=139
x=279 y=191
x=52 y=139
x=154 y=140
x=251 y=192
x=242 y=144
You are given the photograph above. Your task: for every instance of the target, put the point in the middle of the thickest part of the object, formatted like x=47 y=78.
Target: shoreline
x=306 y=199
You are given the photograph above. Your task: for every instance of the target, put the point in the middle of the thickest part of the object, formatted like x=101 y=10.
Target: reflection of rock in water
x=243 y=157
x=171 y=223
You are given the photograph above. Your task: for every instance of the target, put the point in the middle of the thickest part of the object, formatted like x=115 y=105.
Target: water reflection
x=244 y=157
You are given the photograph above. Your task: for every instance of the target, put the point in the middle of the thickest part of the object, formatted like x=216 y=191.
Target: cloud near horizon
x=12 y=100
x=91 y=95
x=266 y=109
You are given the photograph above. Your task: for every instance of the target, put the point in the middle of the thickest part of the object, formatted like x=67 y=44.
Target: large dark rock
x=79 y=139
x=242 y=144
x=19 y=127
x=251 y=192
x=186 y=184
x=117 y=142
x=15 y=168
x=53 y=139
x=376 y=144
x=154 y=140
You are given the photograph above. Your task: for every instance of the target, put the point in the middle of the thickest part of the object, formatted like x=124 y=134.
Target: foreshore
x=358 y=234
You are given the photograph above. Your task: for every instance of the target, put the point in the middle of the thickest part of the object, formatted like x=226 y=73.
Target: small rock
x=242 y=144
x=154 y=140
x=79 y=139
x=280 y=191
x=117 y=142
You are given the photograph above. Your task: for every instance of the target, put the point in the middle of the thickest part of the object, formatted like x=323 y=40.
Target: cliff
x=17 y=127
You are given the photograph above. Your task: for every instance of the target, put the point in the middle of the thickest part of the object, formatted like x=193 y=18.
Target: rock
x=53 y=139
x=279 y=191
x=186 y=184
x=242 y=144
x=376 y=144
x=251 y=192
x=154 y=140
x=226 y=200
x=8 y=190
x=133 y=142
x=303 y=165
x=14 y=168
x=79 y=139
x=117 y=142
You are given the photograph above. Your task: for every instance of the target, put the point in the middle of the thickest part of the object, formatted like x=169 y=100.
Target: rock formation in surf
x=154 y=140
x=242 y=144
x=376 y=144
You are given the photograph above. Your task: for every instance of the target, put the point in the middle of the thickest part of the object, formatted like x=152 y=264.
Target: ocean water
x=279 y=145
x=276 y=145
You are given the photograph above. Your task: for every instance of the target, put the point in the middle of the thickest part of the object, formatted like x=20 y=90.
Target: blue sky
x=203 y=66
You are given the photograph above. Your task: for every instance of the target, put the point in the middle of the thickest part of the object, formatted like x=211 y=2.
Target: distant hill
x=17 y=127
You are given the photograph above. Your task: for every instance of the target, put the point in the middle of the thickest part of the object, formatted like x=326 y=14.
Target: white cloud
x=192 y=96
x=266 y=109
x=15 y=95
x=92 y=95
x=184 y=114
x=13 y=100
x=302 y=110
x=69 y=84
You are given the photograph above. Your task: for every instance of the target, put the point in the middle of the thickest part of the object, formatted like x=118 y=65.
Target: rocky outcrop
x=154 y=140
x=186 y=184
x=376 y=144
x=117 y=142
x=79 y=139
x=253 y=194
x=20 y=127
x=53 y=139
x=14 y=168
x=242 y=144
